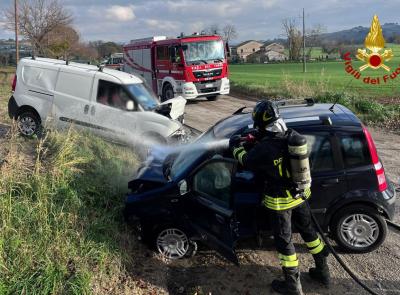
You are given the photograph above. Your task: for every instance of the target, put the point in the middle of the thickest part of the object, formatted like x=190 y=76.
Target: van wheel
x=29 y=124
x=173 y=243
x=213 y=97
x=167 y=92
x=359 y=229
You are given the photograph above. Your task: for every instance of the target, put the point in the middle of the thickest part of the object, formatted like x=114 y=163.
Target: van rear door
x=72 y=98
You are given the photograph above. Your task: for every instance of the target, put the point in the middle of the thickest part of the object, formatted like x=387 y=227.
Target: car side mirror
x=130 y=106
x=183 y=187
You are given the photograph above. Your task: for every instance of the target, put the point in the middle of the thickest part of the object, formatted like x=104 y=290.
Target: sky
x=123 y=20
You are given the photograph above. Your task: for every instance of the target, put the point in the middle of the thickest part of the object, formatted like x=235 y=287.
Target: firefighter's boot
x=320 y=272
x=291 y=285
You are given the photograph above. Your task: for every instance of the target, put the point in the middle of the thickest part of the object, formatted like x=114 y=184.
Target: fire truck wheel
x=213 y=97
x=168 y=92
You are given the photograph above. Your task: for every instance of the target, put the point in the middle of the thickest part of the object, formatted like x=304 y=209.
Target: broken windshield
x=143 y=95
x=204 y=51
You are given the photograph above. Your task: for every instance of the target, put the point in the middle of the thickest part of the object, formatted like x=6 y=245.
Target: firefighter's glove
x=234 y=142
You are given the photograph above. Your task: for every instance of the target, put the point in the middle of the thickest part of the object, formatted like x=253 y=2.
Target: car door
x=109 y=115
x=72 y=98
x=210 y=205
x=328 y=175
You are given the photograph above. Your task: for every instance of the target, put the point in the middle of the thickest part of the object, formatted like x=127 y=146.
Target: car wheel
x=168 y=92
x=28 y=124
x=213 y=97
x=173 y=243
x=359 y=229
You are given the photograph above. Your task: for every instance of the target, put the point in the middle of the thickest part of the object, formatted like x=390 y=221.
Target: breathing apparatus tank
x=299 y=161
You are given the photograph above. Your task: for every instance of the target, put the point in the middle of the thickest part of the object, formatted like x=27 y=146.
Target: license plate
x=209 y=85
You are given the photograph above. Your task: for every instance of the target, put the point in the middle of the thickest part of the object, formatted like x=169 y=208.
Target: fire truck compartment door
x=177 y=106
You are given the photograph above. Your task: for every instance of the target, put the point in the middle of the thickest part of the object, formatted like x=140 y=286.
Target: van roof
x=107 y=74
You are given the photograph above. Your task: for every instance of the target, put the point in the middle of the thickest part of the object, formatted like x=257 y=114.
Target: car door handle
x=92 y=111
x=86 y=109
x=219 y=218
x=329 y=182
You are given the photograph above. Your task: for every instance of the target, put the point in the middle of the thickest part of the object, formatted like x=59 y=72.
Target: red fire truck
x=189 y=66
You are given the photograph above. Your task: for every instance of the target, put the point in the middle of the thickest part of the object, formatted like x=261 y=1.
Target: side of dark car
x=215 y=201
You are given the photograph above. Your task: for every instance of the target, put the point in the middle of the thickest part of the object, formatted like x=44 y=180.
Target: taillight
x=379 y=170
x=14 y=83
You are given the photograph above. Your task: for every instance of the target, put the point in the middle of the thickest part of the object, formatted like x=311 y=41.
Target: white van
x=113 y=104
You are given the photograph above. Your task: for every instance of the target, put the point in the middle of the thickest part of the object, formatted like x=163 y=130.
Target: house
x=273 y=47
x=241 y=51
x=267 y=53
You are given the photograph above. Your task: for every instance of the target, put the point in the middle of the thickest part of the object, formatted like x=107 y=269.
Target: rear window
x=355 y=150
x=321 y=156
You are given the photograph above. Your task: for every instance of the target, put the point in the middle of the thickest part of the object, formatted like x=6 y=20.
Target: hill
x=356 y=35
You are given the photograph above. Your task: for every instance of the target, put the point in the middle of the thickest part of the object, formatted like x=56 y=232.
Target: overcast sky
x=124 y=20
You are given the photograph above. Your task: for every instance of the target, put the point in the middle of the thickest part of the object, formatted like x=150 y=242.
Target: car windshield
x=190 y=154
x=204 y=51
x=143 y=95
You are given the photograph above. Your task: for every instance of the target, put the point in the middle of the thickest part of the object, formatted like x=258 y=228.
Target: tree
x=229 y=33
x=313 y=37
x=105 y=48
x=294 y=38
x=63 y=41
x=36 y=19
x=212 y=29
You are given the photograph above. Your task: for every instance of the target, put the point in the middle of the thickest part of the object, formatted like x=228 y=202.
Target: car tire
x=359 y=228
x=167 y=92
x=173 y=243
x=213 y=97
x=29 y=124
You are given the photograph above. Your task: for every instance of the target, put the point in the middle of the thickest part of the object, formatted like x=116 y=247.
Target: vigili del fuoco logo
x=373 y=56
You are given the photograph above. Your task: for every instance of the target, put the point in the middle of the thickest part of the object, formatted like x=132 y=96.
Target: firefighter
x=268 y=158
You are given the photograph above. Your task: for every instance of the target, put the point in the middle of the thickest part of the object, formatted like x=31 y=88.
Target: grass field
x=61 y=201
x=283 y=79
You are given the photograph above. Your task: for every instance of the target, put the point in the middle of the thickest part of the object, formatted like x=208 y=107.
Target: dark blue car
x=200 y=194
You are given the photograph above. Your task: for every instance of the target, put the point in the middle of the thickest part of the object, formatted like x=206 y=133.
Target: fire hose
x=337 y=257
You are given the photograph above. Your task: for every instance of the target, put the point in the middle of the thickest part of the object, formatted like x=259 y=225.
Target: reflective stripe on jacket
x=270 y=159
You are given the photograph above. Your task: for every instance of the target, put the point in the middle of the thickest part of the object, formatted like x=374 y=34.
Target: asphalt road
x=379 y=269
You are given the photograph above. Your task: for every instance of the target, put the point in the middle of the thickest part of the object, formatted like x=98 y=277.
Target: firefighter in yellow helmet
x=268 y=158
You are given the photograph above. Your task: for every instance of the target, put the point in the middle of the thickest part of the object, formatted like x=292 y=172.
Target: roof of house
x=245 y=42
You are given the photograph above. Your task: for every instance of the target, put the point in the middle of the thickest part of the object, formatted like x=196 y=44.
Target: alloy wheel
x=359 y=230
x=172 y=243
x=27 y=126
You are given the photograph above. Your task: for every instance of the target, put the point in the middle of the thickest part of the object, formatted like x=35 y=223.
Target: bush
x=60 y=205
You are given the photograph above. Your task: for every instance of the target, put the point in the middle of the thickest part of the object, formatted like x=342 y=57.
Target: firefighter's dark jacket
x=269 y=160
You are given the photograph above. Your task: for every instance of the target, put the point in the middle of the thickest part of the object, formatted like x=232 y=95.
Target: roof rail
x=290 y=103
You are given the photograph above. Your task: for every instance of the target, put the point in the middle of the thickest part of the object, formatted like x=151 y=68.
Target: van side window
x=162 y=53
x=113 y=95
x=354 y=150
x=321 y=156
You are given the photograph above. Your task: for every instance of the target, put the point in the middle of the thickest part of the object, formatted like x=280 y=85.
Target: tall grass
x=60 y=211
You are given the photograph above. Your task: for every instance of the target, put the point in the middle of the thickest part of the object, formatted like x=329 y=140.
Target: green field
x=284 y=79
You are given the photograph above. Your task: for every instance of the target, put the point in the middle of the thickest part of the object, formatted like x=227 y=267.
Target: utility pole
x=304 y=44
x=16 y=31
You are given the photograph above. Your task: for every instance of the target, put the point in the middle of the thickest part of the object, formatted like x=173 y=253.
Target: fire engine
x=190 y=66
x=114 y=61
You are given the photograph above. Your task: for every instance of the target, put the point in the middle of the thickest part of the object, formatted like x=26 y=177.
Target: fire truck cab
x=189 y=66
